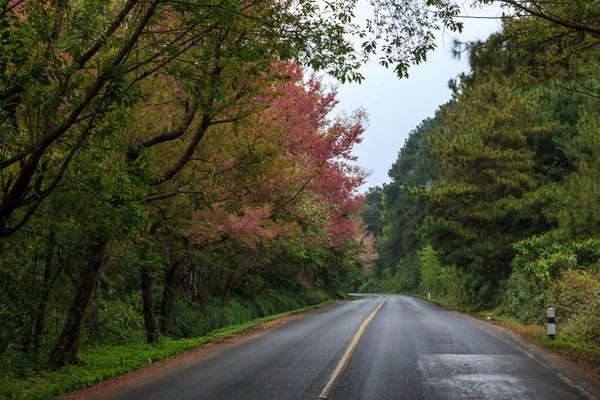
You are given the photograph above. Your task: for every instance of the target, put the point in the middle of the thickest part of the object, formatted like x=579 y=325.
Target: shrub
x=547 y=273
x=121 y=320
x=576 y=298
x=443 y=282
x=189 y=322
x=524 y=300
x=542 y=259
x=369 y=285
x=186 y=321
x=315 y=297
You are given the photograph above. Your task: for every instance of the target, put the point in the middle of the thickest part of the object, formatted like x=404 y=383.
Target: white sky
x=396 y=106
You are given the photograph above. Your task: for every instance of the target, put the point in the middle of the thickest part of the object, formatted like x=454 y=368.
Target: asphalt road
x=410 y=350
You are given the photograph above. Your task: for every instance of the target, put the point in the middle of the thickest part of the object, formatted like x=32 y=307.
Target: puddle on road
x=474 y=376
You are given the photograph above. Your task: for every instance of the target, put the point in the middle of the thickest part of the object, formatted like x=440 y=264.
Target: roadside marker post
x=429 y=296
x=551 y=323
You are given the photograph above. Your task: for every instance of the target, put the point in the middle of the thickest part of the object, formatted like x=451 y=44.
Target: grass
x=582 y=353
x=104 y=362
x=578 y=351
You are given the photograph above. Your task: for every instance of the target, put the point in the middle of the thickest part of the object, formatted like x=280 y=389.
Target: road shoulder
x=111 y=387
x=575 y=374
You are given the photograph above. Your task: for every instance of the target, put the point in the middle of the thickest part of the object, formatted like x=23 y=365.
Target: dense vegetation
x=170 y=168
x=167 y=169
x=494 y=202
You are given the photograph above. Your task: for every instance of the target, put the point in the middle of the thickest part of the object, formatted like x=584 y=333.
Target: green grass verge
x=579 y=351
x=104 y=362
x=575 y=350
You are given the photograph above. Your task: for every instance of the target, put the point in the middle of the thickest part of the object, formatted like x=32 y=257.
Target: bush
x=546 y=274
x=524 y=300
x=186 y=321
x=369 y=285
x=541 y=258
x=315 y=297
x=189 y=322
x=445 y=283
x=388 y=283
x=408 y=277
x=576 y=298
x=121 y=320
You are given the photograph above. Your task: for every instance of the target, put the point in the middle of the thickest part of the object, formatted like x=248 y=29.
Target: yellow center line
x=347 y=355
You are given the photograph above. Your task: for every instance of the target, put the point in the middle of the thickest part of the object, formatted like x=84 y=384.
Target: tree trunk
x=171 y=283
x=66 y=347
x=94 y=319
x=149 y=319
x=228 y=286
x=210 y=286
x=40 y=316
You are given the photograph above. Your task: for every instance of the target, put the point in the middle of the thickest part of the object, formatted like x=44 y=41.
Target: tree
x=78 y=86
x=403 y=212
x=372 y=209
x=294 y=163
x=83 y=80
x=542 y=42
x=577 y=210
x=483 y=200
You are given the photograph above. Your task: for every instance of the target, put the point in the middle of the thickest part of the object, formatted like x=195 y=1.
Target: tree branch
x=559 y=21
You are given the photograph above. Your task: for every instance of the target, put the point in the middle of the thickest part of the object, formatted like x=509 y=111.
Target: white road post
x=551 y=323
x=429 y=295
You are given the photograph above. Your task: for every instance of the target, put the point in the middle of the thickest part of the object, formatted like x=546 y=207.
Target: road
x=410 y=350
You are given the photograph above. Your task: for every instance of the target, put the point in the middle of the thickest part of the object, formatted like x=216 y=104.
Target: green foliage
x=371 y=210
x=548 y=273
x=445 y=283
x=9 y=337
x=543 y=259
x=190 y=322
x=578 y=204
x=431 y=279
x=402 y=213
x=502 y=185
x=524 y=300
x=405 y=279
x=409 y=273
x=576 y=298
x=121 y=321
x=494 y=203
x=370 y=285
x=484 y=199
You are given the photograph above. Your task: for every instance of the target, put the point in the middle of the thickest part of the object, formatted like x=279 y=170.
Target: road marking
x=347 y=355
x=517 y=347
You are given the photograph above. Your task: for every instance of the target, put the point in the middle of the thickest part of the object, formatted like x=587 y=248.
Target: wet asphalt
x=410 y=350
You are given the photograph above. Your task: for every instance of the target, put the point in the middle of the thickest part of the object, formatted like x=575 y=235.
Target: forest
x=172 y=171
x=494 y=201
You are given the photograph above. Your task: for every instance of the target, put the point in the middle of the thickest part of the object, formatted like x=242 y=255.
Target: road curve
x=410 y=350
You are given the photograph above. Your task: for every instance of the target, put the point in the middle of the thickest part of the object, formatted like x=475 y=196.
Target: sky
x=396 y=106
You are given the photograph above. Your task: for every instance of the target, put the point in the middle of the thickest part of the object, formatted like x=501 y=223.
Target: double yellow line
x=347 y=355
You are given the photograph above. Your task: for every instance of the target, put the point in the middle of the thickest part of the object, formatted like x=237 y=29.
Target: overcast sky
x=396 y=106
